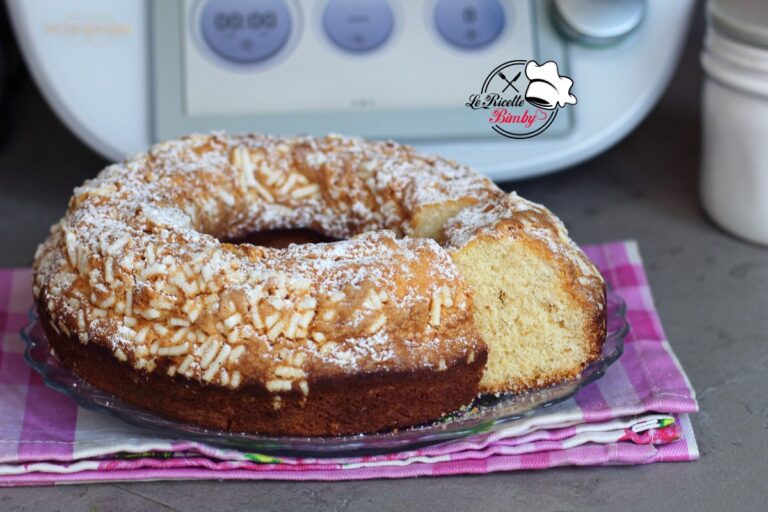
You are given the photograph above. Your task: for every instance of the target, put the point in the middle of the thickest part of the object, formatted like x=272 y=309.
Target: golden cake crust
x=136 y=277
x=351 y=404
x=137 y=268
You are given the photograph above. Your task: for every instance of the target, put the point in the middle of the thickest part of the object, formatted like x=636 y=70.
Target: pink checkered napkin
x=636 y=414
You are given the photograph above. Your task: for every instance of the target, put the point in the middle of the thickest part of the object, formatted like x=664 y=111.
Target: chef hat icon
x=546 y=88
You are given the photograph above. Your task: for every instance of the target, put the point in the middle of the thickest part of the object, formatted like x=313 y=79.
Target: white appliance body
x=125 y=73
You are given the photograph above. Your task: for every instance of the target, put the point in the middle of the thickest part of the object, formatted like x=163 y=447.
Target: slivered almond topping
x=160 y=303
x=210 y=352
x=178 y=322
x=272 y=176
x=236 y=156
x=189 y=288
x=129 y=301
x=292 y=325
x=161 y=330
x=236 y=353
x=307 y=302
x=233 y=320
x=305 y=191
x=263 y=192
x=194 y=313
x=276 y=302
x=288 y=372
x=179 y=334
x=271 y=320
x=216 y=364
x=140 y=351
x=107 y=303
x=277 y=385
x=117 y=245
x=227 y=198
x=71 y=244
x=234 y=380
x=186 y=364
x=151 y=314
x=276 y=329
x=108 y=271
x=297 y=359
x=306 y=319
x=434 y=310
x=373 y=301
x=289 y=183
x=256 y=318
x=126 y=332
x=377 y=324
x=445 y=296
x=141 y=335
x=176 y=350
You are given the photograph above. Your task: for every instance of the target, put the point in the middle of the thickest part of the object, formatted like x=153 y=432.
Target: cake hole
x=282 y=238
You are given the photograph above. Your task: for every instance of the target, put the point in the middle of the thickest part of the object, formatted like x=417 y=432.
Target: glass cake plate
x=487 y=413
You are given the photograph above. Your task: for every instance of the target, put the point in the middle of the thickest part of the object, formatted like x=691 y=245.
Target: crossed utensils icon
x=510 y=83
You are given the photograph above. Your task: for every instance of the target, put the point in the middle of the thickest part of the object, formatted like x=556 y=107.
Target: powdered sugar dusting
x=137 y=266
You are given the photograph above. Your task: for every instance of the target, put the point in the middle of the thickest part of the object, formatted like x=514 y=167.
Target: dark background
x=711 y=291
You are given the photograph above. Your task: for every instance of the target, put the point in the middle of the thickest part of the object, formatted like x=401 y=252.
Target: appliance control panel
x=126 y=73
x=376 y=68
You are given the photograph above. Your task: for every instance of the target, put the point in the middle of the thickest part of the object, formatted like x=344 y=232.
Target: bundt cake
x=439 y=286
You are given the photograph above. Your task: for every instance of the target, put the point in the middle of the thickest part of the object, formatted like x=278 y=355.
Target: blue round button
x=469 y=24
x=246 y=31
x=358 y=25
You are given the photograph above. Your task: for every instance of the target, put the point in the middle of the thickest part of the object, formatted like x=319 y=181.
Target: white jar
x=734 y=173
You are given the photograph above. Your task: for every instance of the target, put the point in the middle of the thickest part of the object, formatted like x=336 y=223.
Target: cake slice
x=539 y=303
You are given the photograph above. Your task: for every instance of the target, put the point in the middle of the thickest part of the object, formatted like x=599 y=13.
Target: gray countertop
x=711 y=291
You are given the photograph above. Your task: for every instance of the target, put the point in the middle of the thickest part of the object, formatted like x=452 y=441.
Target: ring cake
x=441 y=287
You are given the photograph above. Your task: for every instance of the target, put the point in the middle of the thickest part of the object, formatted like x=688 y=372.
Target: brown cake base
x=360 y=404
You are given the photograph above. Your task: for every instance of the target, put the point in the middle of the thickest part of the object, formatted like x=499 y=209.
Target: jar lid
x=743 y=20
